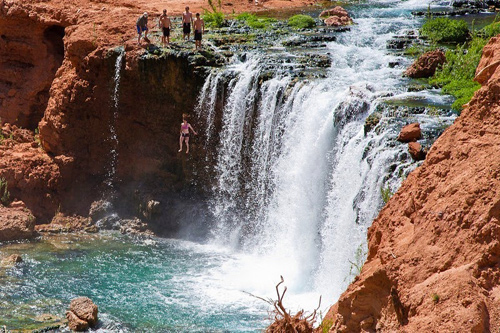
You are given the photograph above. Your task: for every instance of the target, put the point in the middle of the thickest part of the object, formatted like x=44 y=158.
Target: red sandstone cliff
x=434 y=250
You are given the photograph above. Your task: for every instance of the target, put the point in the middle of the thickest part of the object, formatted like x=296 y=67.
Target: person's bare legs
x=180 y=143
x=187 y=145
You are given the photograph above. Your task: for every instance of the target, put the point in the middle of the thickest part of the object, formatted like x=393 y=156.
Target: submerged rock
x=82 y=314
x=12 y=260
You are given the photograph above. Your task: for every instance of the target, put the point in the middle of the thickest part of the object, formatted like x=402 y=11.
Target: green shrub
x=457 y=74
x=445 y=30
x=301 y=21
x=254 y=21
x=435 y=298
x=491 y=30
x=214 y=19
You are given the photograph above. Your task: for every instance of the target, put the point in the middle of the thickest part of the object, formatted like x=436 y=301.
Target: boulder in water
x=16 y=223
x=82 y=314
x=336 y=17
x=12 y=260
x=416 y=151
x=410 y=133
x=426 y=65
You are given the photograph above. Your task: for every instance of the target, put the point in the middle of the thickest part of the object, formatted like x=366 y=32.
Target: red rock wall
x=434 y=250
x=56 y=73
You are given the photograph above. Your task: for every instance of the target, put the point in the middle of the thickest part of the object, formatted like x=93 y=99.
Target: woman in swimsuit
x=185 y=127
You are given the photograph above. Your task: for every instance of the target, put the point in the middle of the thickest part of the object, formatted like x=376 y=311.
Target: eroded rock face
x=437 y=241
x=426 y=65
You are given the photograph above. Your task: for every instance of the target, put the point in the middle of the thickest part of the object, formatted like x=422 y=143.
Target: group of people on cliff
x=165 y=24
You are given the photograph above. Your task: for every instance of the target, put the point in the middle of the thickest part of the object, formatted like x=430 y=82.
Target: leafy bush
x=445 y=30
x=301 y=21
x=491 y=30
x=457 y=74
x=254 y=21
x=214 y=19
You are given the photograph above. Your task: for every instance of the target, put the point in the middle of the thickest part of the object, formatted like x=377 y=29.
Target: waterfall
x=297 y=181
x=112 y=124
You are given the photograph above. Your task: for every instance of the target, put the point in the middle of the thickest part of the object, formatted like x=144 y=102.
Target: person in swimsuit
x=187 y=20
x=142 y=26
x=185 y=127
x=199 y=29
x=165 y=25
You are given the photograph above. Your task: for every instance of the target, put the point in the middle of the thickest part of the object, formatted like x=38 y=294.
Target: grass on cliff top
x=254 y=21
x=457 y=74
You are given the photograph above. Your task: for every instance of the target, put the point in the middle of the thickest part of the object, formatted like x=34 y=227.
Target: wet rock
x=135 y=226
x=416 y=151
x=372 y=121
x=82 y=314
x=425 y=66
x=336 y=17
x=100 y=209
x=152 y=208
x=354 y=105
x=12 y=259
x=61 y=223
x=410 y=133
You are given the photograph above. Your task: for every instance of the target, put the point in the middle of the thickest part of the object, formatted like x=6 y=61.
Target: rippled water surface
x=139 y=285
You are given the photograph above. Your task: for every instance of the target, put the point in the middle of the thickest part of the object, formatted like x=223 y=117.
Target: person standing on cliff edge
x=199 y=30
x=165 y=25
x=185 y=127
x=187 y=20
x=142 y=26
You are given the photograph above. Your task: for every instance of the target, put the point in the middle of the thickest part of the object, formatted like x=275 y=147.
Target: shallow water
x=155 y=285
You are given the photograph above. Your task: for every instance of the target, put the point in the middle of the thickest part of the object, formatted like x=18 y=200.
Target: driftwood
x=284 y=322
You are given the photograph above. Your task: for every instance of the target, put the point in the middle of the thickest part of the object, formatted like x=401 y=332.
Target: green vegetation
x=359 y=261
x=386 y=193
x=214 y=17
x=301 y=21
x=326 y=325
x=255 y=22
x=4 y=192
x=457 y=74
x=445 y=30
x=435 y=298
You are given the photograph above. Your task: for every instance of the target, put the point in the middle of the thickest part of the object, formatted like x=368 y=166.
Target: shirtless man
x=187 y=19
x=199 y=29
x=165 y=25
x=142 y=26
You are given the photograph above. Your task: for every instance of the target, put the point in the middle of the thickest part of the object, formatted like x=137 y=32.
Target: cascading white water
x=112 y=130
x=298 y=181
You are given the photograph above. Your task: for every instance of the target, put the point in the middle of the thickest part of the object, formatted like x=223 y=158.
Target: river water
x=297 y=185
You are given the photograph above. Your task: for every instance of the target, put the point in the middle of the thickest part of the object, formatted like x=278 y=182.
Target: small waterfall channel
x=113 y=138
x=297 y=179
